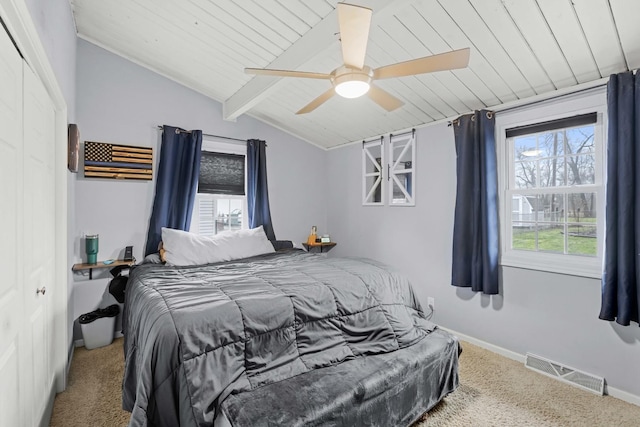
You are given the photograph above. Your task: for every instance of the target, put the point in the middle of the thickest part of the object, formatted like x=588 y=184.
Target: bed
x=285 y=338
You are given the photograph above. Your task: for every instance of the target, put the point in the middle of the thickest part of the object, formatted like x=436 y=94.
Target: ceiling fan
x=353 y=79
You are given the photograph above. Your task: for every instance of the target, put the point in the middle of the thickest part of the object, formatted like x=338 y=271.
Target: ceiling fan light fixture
x=352 y=88
x=352 y=83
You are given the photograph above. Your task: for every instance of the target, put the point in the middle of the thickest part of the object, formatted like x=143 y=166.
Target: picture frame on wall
x=73 y=147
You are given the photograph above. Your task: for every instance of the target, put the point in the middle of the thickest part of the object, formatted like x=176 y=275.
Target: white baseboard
x=48 y=410
x=487 y=346
x=622 y=395
x=69 y=360
x=611 y=391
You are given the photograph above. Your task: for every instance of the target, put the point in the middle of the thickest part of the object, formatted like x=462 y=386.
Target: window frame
x=211 y=144
x=589 y=101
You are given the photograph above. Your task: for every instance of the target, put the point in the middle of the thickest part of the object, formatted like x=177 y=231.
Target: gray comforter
x=195 y=335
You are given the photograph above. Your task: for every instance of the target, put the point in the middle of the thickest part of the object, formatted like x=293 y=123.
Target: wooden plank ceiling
x=519 y=49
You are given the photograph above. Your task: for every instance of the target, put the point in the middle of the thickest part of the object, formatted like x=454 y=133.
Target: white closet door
x=14 y=344
x=39 y=233
x=27 y=227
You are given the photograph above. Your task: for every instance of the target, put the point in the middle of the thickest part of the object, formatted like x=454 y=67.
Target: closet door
x=14 y=344
x=27 y=251
x=39 y=234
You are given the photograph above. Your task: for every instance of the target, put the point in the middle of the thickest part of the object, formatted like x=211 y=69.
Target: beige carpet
x=494 y=391
x=94 y=390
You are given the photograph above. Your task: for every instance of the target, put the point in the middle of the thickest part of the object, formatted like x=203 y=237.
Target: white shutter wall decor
x=373 y=157
x=401 y=170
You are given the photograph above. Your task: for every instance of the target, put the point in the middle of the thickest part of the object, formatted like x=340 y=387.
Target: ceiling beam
x=313 y=42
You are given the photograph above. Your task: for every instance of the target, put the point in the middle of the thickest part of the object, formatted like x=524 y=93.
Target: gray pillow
x=152 y=259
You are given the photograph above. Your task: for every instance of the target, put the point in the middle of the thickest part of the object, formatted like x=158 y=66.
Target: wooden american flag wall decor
x=103 y=160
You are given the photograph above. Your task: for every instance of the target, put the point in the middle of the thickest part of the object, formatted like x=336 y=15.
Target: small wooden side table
x=319 y=247
x=101 y=264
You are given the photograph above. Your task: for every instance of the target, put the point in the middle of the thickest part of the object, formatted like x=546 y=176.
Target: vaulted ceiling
x=519 y=49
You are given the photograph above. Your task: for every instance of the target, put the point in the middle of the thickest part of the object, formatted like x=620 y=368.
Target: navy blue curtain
x=475 y=229
x=621 y=275
x=176 y=183
x=257 y=191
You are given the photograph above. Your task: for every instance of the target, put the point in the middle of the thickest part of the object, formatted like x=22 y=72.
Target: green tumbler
x=91 y=245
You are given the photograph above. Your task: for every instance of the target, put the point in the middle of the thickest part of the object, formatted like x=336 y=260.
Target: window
x=221 y=201
x=552 y=198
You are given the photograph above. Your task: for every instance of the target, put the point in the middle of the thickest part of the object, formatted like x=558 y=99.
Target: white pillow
x=184 y=248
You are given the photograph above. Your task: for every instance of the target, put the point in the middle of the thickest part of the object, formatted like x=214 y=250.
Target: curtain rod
x=543 y=97
x=598 y=84
x=210 y=135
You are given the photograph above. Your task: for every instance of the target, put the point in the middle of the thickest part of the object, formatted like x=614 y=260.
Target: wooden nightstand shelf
x=319 y=247
x=101 y=264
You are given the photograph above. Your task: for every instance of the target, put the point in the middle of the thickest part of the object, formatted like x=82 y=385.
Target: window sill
x=553 y=263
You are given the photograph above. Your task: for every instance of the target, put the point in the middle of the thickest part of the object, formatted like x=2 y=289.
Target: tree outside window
x=553 y=206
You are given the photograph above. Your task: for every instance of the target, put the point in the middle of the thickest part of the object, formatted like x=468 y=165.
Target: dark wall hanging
x=73 y=141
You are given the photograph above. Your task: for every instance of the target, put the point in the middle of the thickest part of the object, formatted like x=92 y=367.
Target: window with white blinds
x=221 y=203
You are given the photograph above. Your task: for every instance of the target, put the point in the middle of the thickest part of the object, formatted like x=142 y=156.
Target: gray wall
x=121 y=102
x=552 y=315
x=54 y=22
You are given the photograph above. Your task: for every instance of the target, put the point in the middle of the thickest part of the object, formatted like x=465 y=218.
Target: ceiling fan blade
x=428 y=64
x=287 y=73
x=317 y=102
x=354 y=24
x=384 y=98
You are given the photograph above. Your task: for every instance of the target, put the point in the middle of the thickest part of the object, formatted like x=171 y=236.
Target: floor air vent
x=564 y=373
